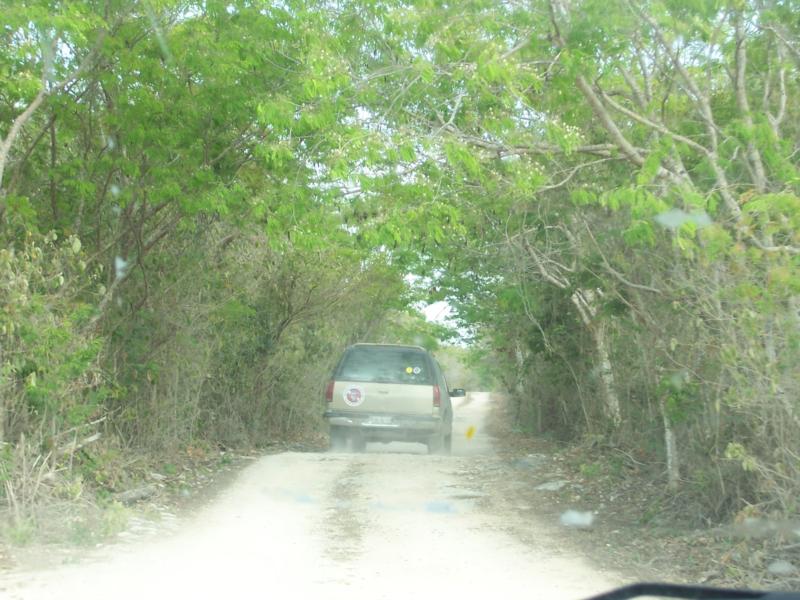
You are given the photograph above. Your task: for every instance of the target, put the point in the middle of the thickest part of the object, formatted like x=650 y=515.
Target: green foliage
x=21 y=532
x=50 y=368
x=410 y=327
x=679 y=394
x=640 y=233
x=591 y=470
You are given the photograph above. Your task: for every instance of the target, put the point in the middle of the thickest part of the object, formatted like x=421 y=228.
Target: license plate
x=379 y=421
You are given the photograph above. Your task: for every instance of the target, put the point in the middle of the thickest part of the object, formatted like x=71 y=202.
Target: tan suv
x=386 y=393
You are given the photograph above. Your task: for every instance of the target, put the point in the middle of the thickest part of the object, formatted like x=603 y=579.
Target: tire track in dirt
x=344 y=523
x=391 y=524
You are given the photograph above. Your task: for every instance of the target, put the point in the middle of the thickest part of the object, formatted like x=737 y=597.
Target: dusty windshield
x=232 y=231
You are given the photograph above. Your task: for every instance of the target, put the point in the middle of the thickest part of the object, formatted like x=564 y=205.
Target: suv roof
x=390 y=345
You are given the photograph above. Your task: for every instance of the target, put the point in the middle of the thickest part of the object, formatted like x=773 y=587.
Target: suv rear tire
x=436 y=443
x=358 y=443
x=338 y=441
x=448 y=443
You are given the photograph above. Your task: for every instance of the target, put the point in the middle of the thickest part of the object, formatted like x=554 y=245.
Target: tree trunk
x=671 y=448
x=519 y=385
x=607 y=374
x=585 y=300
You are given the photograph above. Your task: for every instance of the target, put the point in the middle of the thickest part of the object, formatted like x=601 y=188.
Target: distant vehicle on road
x=387 y=393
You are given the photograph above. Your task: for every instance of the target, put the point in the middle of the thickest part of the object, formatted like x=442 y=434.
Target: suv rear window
x=385 y=364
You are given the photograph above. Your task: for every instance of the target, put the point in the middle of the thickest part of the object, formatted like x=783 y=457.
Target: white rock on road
x=391 y=523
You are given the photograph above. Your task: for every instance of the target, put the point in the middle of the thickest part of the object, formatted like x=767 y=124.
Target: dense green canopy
x=202 y=203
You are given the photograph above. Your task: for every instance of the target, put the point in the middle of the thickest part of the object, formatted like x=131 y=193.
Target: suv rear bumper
x=386 y=427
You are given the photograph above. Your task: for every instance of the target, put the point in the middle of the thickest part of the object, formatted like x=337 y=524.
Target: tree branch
x=656 y=125
x=16 y=126
x=616 y=274
x=704 y=108
x=608 y=123
x=572 y=173
x=782 y=36
x=25 y=115
x=602 y=150
x=776 y=120
x=753 y=155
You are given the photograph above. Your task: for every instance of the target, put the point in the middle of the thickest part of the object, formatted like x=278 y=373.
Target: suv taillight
x=329 y=391
x=437 y=396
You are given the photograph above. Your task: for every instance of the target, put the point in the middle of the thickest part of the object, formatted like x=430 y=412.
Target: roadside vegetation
x=203 y=203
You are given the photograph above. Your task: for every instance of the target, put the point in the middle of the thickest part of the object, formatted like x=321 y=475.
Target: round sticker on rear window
x=353 y=396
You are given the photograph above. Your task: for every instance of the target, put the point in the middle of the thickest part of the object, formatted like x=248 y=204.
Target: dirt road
x=390 y=523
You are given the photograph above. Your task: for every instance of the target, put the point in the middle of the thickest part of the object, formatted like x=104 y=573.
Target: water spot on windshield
x=162 y=41
x=439 y=507
x=120 y=267
x=676 y=217
x=578 y=519
x=782 y=567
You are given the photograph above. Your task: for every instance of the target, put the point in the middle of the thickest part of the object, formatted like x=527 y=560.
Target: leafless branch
x=453 y=114
x=776 y=119
x=517 y=47
x=636 y=91
x=703 y=105
x=753 y=155
x=783 y=37
x=772 y=248
x=611 y=270
x=656 y=125
x=534 y=254
x=572 y=173
x=608 y=122
x=602 y=150
x=45 y=91
x=16 y=126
